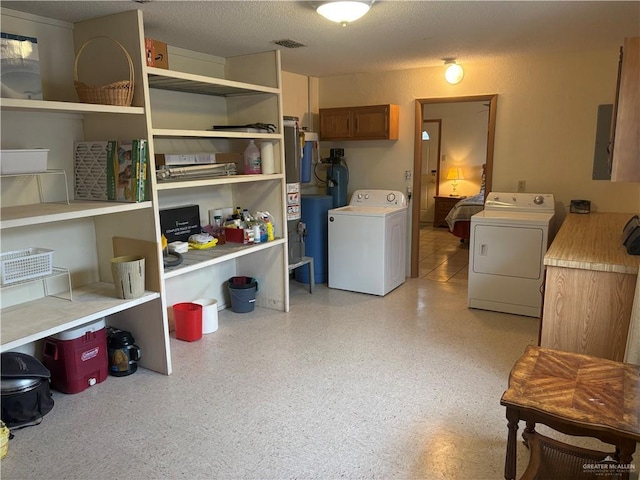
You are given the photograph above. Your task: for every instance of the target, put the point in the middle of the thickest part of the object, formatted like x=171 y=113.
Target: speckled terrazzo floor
x=345 y=386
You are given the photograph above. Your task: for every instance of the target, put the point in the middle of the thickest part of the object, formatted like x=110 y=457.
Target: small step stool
x=305 y=261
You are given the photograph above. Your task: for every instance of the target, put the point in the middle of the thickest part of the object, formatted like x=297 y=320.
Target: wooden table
x=441 y=208
x=574 y=394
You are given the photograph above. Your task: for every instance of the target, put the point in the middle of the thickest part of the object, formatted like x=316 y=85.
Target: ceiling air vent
x=288 y=43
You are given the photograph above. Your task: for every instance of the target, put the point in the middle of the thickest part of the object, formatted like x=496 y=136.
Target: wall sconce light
x=343 y=12
x=454 y=174
x=454 y=72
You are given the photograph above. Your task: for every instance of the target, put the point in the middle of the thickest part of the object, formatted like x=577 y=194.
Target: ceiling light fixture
x=454 y=72
x=343 y=12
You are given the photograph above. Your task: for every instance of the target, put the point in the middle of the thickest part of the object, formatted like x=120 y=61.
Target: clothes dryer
x=367 y=242
x=509 y=239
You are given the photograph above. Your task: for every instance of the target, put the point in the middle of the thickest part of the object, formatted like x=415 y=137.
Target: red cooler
x=77 y=358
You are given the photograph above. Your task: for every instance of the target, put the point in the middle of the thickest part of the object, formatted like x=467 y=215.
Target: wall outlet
x=408 y=175
x=522 y=185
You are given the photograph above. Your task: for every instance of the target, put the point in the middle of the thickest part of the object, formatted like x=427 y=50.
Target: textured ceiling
x=393 y=35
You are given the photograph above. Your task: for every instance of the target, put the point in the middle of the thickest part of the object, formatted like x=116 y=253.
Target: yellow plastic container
x=4 y=440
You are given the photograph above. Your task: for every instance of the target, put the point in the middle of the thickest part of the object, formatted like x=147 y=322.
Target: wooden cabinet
x=375 y=122
x=589 y=288
x=174 y=111
x=625 y=162
x=443 y=206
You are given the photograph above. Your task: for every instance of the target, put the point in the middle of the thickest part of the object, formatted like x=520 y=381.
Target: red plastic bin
x=188 y=320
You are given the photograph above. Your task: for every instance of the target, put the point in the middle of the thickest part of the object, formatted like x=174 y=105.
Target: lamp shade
x=455 y=174
x=343 y=12
x=454 y=73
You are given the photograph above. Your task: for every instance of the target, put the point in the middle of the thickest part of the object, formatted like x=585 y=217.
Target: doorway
x=419 y=161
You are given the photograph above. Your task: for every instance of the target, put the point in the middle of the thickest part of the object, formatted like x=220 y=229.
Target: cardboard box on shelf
x=156 y=53
x=234 y=235
x=179 y=223
x=127 y=180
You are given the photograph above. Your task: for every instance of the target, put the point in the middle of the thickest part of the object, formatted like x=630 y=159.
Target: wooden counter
x=590 y=286
x=593 y=242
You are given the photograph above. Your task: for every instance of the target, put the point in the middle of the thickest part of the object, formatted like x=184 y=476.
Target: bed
x=459 y=217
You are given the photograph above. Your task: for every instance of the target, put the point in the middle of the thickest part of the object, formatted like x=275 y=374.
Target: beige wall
x=545 y=132
x=300 y=99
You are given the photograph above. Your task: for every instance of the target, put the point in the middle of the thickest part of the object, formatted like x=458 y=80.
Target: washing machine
x=509 y=239
x=367 y=242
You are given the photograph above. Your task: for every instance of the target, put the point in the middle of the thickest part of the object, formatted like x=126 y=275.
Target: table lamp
x=454 y=174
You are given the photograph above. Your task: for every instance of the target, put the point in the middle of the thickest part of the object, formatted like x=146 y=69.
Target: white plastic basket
x=25 y=264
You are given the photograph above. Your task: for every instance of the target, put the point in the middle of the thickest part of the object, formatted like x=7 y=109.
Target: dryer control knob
x=366 y=196
x=391 y=197
x=538 y=199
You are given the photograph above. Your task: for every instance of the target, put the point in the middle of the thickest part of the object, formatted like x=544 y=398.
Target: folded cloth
x=202 y=241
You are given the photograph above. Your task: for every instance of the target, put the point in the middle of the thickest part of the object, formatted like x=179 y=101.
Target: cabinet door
x=336 y=123
x=587 y=311
x=626 y=146
x=371 y=123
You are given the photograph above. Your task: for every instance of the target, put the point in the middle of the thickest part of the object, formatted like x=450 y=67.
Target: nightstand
x=442 y=207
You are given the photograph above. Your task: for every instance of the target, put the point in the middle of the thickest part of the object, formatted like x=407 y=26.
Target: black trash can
x=242 y=291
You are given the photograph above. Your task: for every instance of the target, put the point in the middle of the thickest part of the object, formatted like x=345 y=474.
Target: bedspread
x=464 y=209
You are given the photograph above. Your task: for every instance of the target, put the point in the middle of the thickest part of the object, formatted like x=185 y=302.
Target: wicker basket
x=116 y=93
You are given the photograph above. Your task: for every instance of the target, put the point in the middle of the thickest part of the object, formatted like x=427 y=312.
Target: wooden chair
x=552 y=460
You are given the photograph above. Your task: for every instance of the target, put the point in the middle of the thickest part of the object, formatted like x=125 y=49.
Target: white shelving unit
x=175 y=111
x=80 y=233
x=188 y=106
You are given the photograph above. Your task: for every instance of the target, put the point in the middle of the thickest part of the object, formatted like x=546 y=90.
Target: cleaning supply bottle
x=252 y=161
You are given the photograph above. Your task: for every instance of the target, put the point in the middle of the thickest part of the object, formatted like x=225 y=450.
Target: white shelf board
x=31 y=321
x=39 y=213
x=203 y=85
x=197 y=259
x=172 y=133
x=206 y=182
x=19 y=104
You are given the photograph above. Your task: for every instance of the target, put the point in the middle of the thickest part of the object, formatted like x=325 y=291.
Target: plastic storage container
x=188 y=320
x=26 y=264
x=16 y=162
x=77 y=358
x=242 y=291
